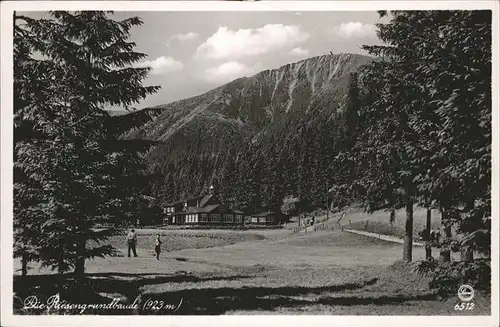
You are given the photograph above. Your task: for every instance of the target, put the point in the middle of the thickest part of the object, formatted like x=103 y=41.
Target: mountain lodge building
x=209 y=210
x=201 y=210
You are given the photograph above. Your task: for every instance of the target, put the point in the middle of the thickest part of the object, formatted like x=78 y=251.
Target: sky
x=193 y=52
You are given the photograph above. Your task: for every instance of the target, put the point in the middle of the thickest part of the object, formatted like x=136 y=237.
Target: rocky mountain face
x=284 y=114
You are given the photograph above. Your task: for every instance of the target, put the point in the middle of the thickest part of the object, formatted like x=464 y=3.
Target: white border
x=8 y=319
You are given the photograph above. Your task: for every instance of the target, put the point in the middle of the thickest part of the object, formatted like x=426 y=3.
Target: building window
x=254 y=220
x=227 y=218
x=262 y=219
x=192 y=218
x=204 y=217
x=215 y=218
x=238 y=219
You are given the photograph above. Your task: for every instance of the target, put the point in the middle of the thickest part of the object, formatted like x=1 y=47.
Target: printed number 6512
x=464 y=306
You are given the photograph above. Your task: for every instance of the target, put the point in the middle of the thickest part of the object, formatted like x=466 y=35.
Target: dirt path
x=388 y=238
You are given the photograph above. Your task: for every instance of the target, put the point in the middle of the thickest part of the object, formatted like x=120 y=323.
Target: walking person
x=158 y=246
x=131 y=242
x=421 y=235
x=439 y=233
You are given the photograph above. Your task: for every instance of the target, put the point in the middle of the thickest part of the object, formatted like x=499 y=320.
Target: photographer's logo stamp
x=466 y=293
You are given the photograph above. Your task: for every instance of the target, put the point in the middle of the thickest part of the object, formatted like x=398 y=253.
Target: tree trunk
x=445 y=254
x=408 y=241
x=24 y=261
x=428 y=248
x=80 y=260
x=467 y=254
x=60 y=268
x=327 y=205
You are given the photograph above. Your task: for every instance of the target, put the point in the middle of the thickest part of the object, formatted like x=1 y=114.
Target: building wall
x=215 y=218
x=219 y=217
x=260 y=220
x=263 y=220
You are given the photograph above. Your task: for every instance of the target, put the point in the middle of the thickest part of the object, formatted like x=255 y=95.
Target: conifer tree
x=83 y=181
x=426 y=121
x=30 y=77
x=388 y=151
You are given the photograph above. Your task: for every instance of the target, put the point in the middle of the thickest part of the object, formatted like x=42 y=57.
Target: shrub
x=447 y=277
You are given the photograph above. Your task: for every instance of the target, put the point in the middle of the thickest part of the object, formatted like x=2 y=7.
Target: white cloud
x=355 y=30
x=162 y=65
x=228 y=71
x=299 y=52
x=185 y=37
x=229 y=44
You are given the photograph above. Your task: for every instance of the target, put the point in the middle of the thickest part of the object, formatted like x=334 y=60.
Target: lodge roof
x=263 y=214
x=205 y=209
x=211 y=207
x=199 y=197
x=205 y=199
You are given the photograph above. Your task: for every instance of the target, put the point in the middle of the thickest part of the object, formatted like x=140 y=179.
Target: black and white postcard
x=186 y=163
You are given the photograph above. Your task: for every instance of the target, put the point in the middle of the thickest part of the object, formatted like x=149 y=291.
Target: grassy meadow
x=258 y=272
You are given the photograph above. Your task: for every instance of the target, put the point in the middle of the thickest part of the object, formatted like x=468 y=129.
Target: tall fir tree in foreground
x=76 y=182
x=29 y=82
x=388 y=148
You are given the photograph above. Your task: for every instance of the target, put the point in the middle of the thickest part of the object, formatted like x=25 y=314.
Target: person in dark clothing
x=158 y=246
x=432 y=235
x=131 y=242
x=421 y=235
x=438 y=235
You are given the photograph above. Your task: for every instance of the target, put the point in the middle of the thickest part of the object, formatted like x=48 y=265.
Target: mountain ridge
x=287 y=114
x=261 y=98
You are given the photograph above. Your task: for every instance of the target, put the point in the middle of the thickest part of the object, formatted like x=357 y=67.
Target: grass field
x=378 y=222
x=174 y=240
x=262 y=272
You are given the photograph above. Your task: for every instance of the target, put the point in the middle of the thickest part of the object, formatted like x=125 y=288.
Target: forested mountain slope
x=258 y=138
